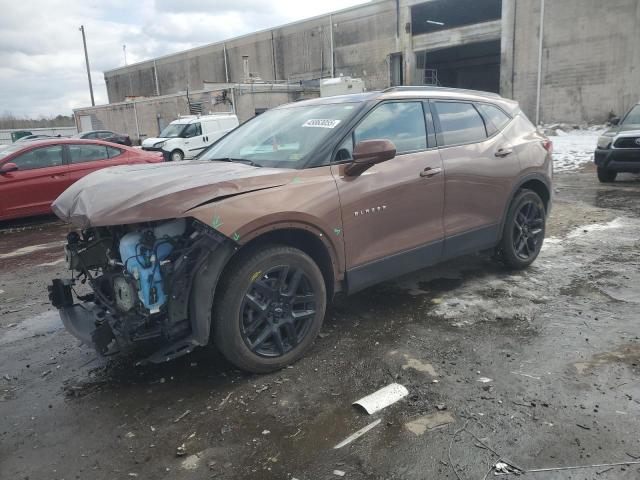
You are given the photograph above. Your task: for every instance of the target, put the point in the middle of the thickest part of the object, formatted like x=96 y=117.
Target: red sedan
x=34 y=174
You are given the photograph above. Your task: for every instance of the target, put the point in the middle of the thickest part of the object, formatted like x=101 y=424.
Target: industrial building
x=563 y=60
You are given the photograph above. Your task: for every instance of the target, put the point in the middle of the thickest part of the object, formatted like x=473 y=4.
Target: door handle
x=57 y=176
x=503 y=152
x=430 y=172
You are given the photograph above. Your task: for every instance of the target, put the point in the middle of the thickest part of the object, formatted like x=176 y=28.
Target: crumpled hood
x=147 y=192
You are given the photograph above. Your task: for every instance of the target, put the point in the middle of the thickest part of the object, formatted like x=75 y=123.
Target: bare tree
x=9 y=120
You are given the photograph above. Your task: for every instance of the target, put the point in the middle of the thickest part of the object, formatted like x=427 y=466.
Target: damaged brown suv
x=245 y=246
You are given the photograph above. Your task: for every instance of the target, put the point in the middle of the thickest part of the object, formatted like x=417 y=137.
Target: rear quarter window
x=114 y=152
x=494 y=118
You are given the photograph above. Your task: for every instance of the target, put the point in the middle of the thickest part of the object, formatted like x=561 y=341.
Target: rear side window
x=494 y=118
x=401 y=122
x=40 y=158
x=460 y=123
x=114 y=152
x=105 y=134
x=87 y=153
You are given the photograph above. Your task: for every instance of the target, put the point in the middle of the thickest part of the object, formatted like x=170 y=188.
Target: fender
x=518 y=185
x=332 y=242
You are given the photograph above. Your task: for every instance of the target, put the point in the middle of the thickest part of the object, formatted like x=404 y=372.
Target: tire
x=523 y=225
x=606 y=176
x=176 y=156
x=253 y=302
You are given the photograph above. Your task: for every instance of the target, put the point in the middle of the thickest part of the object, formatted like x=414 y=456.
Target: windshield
x=173 y=130
x=5 y=152
x=283 y=137
x=633 y=117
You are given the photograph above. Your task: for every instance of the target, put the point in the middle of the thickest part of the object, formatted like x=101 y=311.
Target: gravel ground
x=536 y=368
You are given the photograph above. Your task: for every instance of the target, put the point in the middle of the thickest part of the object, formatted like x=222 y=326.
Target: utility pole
x=124 y=49
x=86 y=59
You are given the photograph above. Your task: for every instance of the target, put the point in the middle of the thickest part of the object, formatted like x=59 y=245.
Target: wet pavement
x=537 y=368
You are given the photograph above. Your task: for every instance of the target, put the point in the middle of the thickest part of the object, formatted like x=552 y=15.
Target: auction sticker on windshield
x=321 y=123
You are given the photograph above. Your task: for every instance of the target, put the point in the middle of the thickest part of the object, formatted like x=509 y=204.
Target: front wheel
x=605 y=175
x=269 y=308
x=177 y=156
x=523 y=231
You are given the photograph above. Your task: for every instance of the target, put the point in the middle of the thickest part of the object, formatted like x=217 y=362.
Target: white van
x=187 y=136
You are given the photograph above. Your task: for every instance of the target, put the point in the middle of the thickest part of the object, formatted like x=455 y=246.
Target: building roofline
x=246 y=35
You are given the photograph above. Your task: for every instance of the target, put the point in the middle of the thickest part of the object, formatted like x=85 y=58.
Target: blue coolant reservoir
x=143 y=263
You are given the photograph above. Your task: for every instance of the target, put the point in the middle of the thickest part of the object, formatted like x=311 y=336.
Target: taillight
x=548 y=145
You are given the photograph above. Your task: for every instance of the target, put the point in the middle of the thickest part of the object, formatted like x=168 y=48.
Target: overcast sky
x=42 y=69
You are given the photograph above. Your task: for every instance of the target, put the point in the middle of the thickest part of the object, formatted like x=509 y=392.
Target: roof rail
x=427 y=88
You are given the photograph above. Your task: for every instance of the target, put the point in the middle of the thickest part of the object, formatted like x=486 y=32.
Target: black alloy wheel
x=277 y=311
x=268 y=308
x=528 y=228
x=523 y=231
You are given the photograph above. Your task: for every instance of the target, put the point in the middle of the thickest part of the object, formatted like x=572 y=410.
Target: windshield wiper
x=238 y=160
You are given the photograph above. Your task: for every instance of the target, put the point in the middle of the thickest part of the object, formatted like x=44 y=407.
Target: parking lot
x=537 y=368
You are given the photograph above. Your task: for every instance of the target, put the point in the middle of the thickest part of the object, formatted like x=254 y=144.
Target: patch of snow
x=573 y=149
x=522 y=293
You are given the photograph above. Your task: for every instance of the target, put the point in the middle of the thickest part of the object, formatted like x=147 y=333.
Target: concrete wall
x=590 y=57
x=590 y=66
x=363 y=38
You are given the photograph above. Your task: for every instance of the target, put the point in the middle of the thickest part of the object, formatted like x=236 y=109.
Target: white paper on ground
x=382 y=398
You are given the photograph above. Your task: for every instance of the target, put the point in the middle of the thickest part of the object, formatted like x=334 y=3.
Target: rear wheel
x=523 y=231
x=605 y=175
x=177 y=156
x=269 y=308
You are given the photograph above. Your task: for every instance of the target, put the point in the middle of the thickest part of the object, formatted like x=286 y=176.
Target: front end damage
x=133 y=285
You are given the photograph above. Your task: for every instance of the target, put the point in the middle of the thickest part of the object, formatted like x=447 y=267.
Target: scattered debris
x=429 y=422
x=191 y=462
x=339 y=473
x=7 y=378
x=266 y=432
x=503 y=468
x=535 y=377
x=186 y=412
x=44 y=374
x=441 y=406
x=181 y=451
x=382 y=398
x=485 y=380
x=419 y=366
x=224 y=400
x=584 y=427
x=578 y=467
x=357 y=434
x=262 y=388
x=130 y=435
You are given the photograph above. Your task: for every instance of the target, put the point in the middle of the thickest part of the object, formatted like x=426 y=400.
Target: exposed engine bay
x=140 y=280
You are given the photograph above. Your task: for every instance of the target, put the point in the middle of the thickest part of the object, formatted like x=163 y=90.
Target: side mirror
x=614 y=121
x=368 y=153
x=8 y=168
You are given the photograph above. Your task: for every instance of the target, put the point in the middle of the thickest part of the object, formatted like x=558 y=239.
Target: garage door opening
x=475 y=66
x=444 y=14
